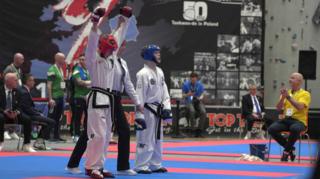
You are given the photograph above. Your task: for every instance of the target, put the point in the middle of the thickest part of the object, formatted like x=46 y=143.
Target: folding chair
x=302 y=134
x=19 y=127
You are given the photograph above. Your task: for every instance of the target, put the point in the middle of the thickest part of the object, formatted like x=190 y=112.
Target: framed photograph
x=176 y=93
x=209 y=97
x=207 y=78
x=227 y=80
x=227 y=97
x=251 y=25
x=227 y=62
x=177 y=78
x=204 y=61
x=228 y=43
x=250 y=44
x=250 y=62
x=251 y=8
x=249 y=78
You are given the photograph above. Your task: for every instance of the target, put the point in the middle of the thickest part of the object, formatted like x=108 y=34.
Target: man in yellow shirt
x=295 y=106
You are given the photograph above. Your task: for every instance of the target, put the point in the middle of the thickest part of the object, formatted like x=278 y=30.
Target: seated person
x=252 y=109
x=28 y=108
x=193 y=93
x=10 y=112
x=295 y=105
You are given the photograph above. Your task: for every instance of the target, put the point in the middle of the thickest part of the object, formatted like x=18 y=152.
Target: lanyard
x=16 y=70
x=59 y=71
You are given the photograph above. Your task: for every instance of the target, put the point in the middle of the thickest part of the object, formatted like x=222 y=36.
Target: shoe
x=6 y=135
x=96 y=174
x=104 y=173
x=39 y=144
x=113 y=142
x=292 y=154
x=148 y=171
x=128 y=172
x=75 y=170
x=28 y=148
x=14 y=136
x=248 y=136
x=75 y=139
x=1 y=146
x=285 y=156
x=160 y=170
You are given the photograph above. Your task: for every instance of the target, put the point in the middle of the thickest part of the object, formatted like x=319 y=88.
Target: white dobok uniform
x=99 y=103
x=151 y=88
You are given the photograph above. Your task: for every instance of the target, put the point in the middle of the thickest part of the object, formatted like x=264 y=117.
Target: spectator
x=193 y=93
x=28 y=108
x=10 y=112
x=14 y=67
x=252 y=110
x=56 y=87
x=295 y=106
x=81 y=81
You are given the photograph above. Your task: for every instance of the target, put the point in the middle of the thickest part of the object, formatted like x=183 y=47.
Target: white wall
x=296 y=15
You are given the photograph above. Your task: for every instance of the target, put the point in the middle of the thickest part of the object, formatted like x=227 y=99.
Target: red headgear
x=106 y=43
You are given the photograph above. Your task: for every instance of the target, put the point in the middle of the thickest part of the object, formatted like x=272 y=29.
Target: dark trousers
x=123 y=129
x=79 y=107
x=22 y=119
x=81 y=145
x=56 y=116
x=294 y=126
x=196 y=108
x=46 y=125
x=250 y=121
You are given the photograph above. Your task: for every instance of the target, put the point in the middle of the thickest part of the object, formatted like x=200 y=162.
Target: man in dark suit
x=27 y=107
x=10 y=112
x=252 y=109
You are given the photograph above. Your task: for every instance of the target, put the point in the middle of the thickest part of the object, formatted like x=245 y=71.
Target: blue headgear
x=147 y=52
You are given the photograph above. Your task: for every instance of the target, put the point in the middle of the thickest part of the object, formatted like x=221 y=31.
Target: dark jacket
x=26 y=103
x=247 y=105
x=3 y=101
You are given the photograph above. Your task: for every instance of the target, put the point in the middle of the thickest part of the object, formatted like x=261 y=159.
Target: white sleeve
x=129 y=88
x=141 y=88
x=166 y=97
x=92 y=46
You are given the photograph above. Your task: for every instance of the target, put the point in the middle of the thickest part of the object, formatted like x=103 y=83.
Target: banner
x=221 y=40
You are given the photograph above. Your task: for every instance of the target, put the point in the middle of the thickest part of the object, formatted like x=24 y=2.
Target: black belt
x=156 y=109
x=108 y=92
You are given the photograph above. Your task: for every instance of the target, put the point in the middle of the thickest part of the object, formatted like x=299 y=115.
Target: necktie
x=9 y=100
x=123 y=70
x=257 y=104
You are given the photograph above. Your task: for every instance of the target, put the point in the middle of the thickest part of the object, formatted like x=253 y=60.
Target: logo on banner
x=193 y=10
x=195 y=13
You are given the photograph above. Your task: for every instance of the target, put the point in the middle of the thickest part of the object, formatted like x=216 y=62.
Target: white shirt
x=123 y=81
x=151 y=87
x=118 y=76
x=7 y=93
x=255 y=110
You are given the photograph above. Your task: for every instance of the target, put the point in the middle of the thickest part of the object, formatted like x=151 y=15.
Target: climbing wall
x=290 y=26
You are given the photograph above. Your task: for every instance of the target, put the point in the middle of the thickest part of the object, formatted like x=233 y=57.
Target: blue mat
x=36 y=166
x=242 y=148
